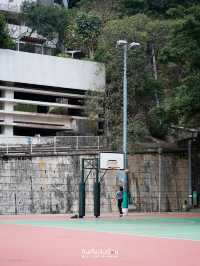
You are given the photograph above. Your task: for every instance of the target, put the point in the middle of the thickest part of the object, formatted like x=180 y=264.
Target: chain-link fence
x=50 y=184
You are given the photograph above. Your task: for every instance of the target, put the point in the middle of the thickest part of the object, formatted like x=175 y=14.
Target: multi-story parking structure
x=39 y=93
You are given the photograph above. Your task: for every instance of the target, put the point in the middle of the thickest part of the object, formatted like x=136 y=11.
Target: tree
x=105 y=9
x=5 y=40
x=94 y=109
x=50 y=21
x=73 y=3
x=84 y=33
x=183 y=53
x=142 y=85
x=144 y=6
x=163 y=74
x=133 y=6
x=158 y=8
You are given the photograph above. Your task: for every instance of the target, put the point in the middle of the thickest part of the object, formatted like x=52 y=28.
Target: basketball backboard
x=109 y=160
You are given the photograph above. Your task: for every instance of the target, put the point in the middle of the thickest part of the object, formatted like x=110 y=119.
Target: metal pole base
x=81 y=200
x=125 y=211
x=97 y=199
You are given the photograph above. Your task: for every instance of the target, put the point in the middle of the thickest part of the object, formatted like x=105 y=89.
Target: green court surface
x=159 y=227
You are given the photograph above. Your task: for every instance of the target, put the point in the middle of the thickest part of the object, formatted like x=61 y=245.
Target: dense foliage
x=163 y=74
x=83 y=33
x=49 y=21
x=5 y=40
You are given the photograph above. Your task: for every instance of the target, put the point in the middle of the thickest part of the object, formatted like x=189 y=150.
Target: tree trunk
x=91 y=53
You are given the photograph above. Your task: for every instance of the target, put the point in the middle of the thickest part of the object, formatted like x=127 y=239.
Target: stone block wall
x=39 y=185
x=158 y=183
x=50 y=184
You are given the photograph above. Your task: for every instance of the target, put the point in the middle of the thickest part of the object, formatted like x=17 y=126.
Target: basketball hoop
x=111 y=161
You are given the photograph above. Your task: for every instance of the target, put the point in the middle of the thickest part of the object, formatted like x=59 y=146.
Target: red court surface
x=28 y=245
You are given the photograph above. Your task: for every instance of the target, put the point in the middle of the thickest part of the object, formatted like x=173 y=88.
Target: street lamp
x=125 y=45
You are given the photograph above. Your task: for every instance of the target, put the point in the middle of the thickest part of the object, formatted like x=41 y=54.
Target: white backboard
x=109 y=160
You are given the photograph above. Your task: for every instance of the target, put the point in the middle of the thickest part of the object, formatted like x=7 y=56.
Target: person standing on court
x=119 y=197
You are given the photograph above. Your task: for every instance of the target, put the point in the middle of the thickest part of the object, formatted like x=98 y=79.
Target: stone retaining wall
x=50 y=184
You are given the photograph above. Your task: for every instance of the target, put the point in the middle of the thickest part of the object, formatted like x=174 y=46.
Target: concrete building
x=41 y=94
x=14 y=5
x=21 y=33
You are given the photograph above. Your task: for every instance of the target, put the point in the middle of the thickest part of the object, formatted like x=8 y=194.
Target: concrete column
x=7 y=129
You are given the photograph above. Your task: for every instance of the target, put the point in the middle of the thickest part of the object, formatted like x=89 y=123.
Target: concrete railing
x=10 y=7
x=31 y=145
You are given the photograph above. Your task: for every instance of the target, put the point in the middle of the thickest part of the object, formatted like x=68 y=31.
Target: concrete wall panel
x=51 y=71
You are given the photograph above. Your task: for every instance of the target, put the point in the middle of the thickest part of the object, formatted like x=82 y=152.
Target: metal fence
x=31 y=145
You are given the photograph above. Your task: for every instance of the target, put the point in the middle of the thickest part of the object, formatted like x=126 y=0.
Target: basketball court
x=138 y=239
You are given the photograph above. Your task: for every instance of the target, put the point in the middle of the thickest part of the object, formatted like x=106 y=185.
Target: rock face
x=50 y=184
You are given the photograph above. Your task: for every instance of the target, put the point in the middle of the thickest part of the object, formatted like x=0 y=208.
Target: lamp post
x=66 y=3
x=125 y=45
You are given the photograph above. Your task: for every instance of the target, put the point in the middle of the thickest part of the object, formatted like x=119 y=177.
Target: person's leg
x=120 y=206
